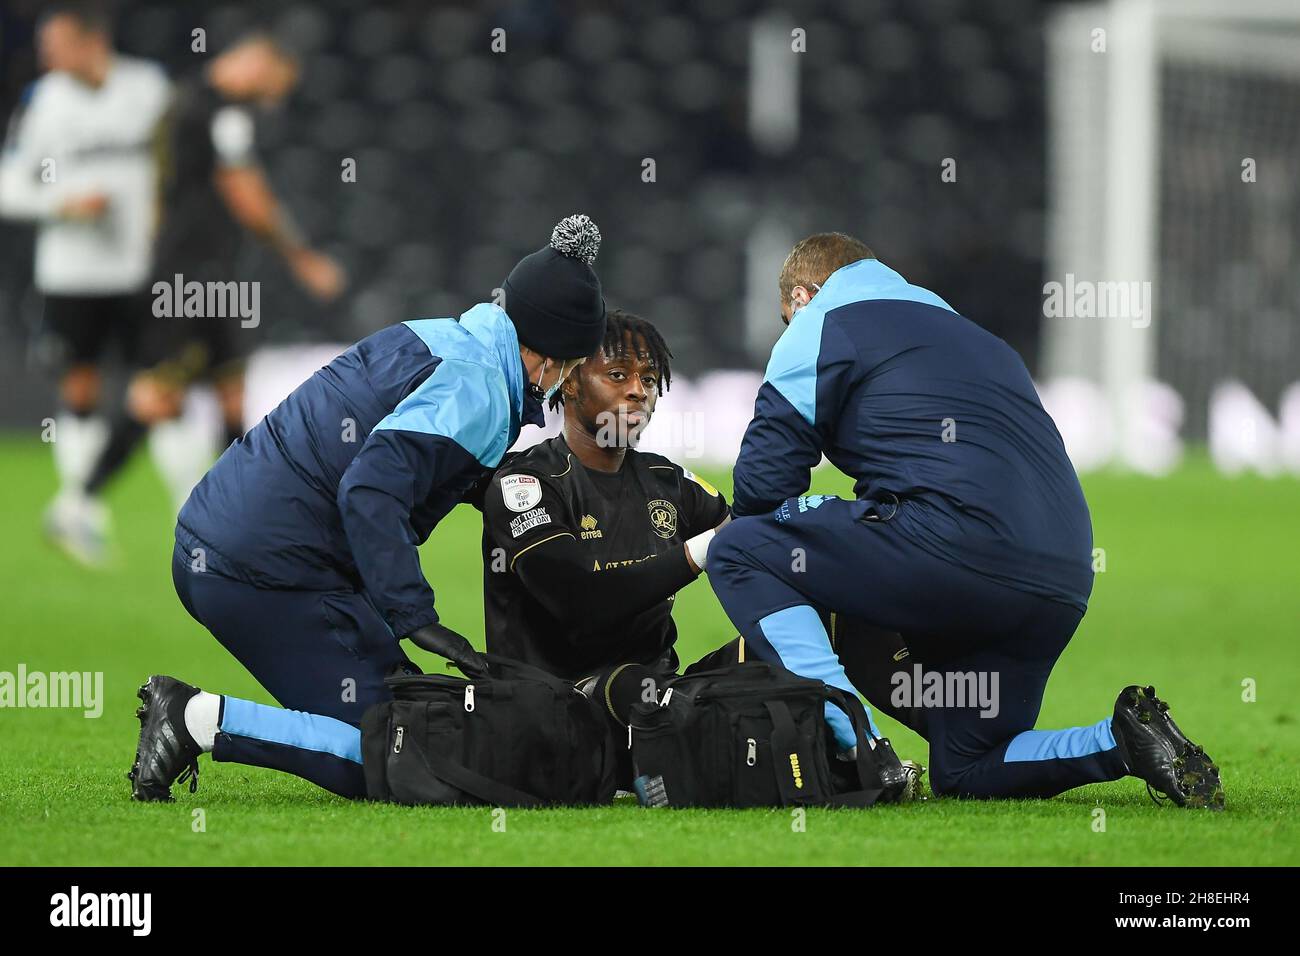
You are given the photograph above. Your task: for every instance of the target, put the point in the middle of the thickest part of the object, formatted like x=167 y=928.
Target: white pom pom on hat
x=577 y=237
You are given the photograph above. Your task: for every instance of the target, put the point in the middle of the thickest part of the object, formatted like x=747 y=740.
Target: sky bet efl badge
x=521 y=492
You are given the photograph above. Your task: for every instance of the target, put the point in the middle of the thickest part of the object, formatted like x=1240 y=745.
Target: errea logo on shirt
x=589 y=529
x=521 y=492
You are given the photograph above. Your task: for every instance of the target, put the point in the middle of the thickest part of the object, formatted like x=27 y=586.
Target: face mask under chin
x=545 y=395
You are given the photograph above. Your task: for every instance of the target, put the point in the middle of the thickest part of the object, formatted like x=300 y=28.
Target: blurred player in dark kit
x=214 y=192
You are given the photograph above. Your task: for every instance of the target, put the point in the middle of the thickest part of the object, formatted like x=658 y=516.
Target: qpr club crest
x=663 y=517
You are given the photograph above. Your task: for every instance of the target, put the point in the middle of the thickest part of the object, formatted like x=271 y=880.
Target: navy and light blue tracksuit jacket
x=912 y=400
x=337 y=486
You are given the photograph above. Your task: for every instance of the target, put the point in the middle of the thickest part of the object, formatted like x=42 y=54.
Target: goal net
x=1174 y=231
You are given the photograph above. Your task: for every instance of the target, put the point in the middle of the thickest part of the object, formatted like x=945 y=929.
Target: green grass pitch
x=1199 y=593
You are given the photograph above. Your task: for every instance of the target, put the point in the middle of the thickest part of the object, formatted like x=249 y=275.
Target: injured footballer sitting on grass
x=586 y=542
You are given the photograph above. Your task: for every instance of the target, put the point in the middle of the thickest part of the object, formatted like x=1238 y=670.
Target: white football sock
x=202 y=714
x=78 y=443
x=182 y=450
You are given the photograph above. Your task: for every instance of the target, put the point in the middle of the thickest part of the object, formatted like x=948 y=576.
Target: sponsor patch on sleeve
x=701 y=482
x=521 y=492
x=528 y=521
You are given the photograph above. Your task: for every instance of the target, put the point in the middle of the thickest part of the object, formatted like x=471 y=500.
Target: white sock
x=78 y=443
x=183 y=450
x=202 y=713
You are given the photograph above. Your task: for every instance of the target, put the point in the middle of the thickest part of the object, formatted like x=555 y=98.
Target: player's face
x=64 y=46
x=254 y=71
x=275 y=76
x=614 y=396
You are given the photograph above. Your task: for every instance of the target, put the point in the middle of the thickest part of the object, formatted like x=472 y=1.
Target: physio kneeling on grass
x=298 y=550
x=968 y=536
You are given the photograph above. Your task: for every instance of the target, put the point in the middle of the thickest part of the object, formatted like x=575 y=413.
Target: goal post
x=1173 y=211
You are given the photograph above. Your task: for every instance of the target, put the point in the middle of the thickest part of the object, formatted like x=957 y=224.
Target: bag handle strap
x=490 y=791
x=785 y=746
x=504 y=664
x=727 y=671
x=868 y=777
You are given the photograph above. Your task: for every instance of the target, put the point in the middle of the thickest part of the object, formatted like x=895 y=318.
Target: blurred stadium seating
x=466 y=158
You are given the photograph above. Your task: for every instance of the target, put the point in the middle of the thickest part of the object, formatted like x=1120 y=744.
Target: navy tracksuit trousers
x=780 y=576
x=322 y=654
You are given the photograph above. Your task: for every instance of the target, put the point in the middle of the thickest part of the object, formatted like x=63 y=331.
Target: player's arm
x=704 y=511
x=530 y=527
x=449 y=428
x=247 y=193
x=703 y=505
x=587 y=601
x=794 y=415
x=29 y=185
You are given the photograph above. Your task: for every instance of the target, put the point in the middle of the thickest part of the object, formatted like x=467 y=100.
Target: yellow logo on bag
x=794 y=769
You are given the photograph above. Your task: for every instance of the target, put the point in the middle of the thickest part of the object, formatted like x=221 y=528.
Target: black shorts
x=82 y=329
x=188 y=350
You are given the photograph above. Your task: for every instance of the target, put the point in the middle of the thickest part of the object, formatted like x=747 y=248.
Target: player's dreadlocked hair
x=624 y=331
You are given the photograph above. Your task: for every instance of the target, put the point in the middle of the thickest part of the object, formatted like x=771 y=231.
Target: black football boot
x=166 y=752
x=1157 y=751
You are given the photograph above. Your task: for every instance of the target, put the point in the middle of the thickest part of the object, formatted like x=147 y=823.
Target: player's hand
x=439 y=639
x=151 y=398
x=318 y=273
x=85 y=208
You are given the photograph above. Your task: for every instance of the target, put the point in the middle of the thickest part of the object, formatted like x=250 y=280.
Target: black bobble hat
x=553 y=296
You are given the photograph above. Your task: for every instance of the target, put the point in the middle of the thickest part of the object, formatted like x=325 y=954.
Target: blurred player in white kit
x=79 y=161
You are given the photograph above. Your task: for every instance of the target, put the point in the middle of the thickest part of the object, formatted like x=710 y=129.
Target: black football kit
x=581 y=567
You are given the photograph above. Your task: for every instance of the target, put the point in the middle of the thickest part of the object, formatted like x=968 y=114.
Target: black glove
x=439 y=639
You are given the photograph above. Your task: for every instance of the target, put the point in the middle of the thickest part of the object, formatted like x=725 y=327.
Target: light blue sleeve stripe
x=800 y=640
x=439 y=335
x=1061 y=744
x=292 y=728
x=792 y=369
x=465 y=401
